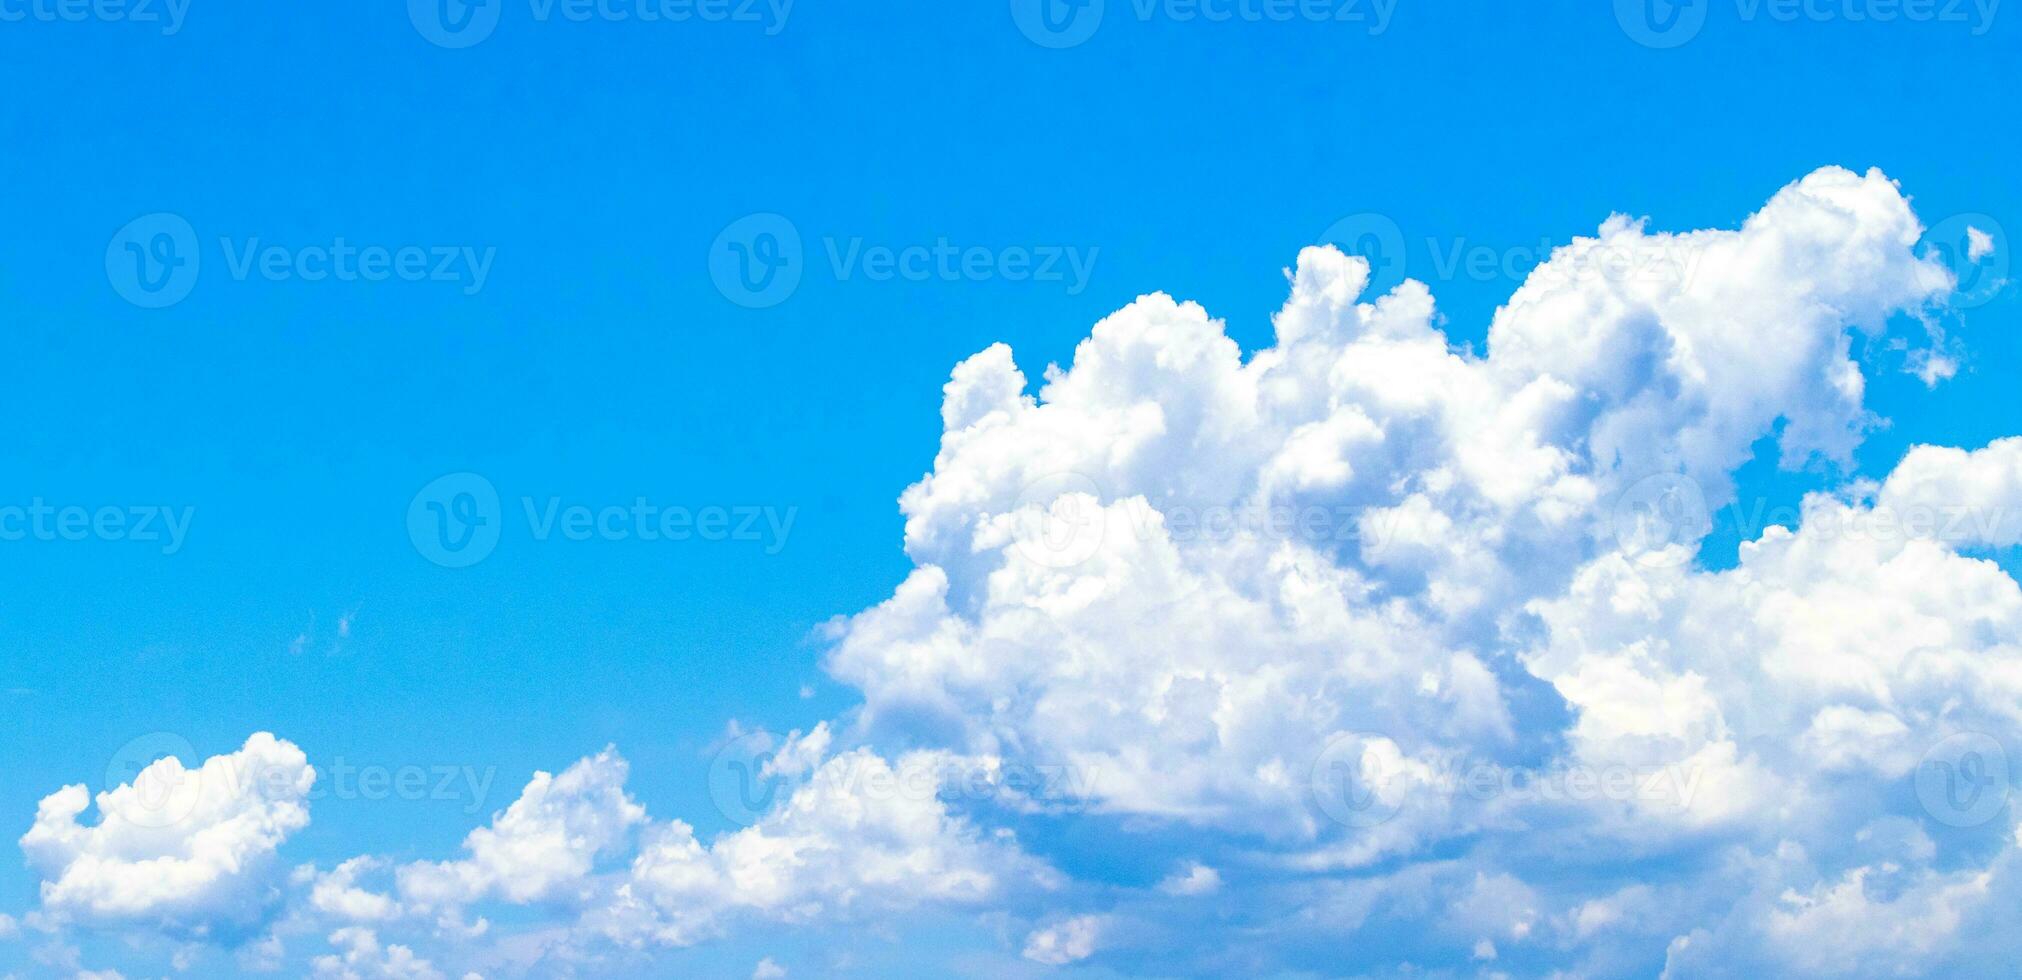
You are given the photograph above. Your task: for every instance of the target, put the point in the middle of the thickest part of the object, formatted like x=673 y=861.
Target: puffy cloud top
x=1375 y=646
x=186 y=850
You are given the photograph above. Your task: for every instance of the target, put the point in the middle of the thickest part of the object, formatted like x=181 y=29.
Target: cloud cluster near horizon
x=1395 y=655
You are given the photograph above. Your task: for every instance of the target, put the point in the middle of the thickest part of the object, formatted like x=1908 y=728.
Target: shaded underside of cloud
x=1375 y=655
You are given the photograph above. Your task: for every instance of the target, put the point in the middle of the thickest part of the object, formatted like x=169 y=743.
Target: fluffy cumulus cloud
x=1358 y=653
x=1064 y=942
x=190 y=852
x=542 y=847
x=853 y=839
x=855 y=836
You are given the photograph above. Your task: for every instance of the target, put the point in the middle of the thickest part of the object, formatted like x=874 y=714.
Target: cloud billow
x=1401 y=652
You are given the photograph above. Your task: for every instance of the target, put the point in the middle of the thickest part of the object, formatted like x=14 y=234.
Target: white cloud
x=854 y=835
x=362 y=957
x=1193 y=879
x=859 y=835
x=1364 y=601
x=767 y=970
x=1064 y=942
x=1839 y=926
x=1960 y=498
x=1979 y=244
x=1182 y=634
x=189 y=851
x=337 y=894
x=542 y=847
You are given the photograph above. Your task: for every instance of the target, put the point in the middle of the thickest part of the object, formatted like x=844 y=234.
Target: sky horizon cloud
x=1360 y=633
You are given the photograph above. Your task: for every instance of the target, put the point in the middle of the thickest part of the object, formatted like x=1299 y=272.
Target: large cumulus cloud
x=1390 y=654
x=190 y=852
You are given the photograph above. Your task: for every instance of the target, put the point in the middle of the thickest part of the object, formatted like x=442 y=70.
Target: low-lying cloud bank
x=1388 y=655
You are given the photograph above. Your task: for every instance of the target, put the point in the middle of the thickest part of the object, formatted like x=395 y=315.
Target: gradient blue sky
x=600 y=364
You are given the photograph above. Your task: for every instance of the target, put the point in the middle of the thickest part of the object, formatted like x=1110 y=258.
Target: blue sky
x=598 y=363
